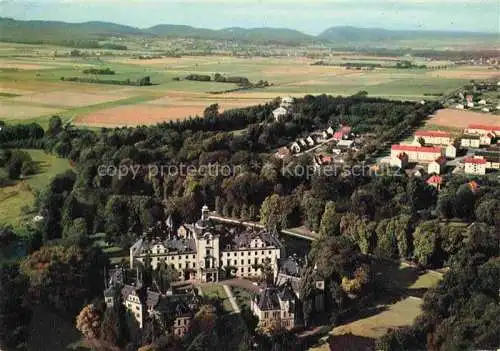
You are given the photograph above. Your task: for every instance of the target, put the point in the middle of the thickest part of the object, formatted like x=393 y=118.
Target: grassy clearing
x=115 y=253
x=375 y=321
x=242 y=296
x=217 y=291
x=16 y=197
x=399 y=314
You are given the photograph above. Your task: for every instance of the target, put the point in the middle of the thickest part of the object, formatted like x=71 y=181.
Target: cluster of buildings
x=175 y=310
x=342 y=137
x=433 y=150
x=203 y=252
x=279 y=303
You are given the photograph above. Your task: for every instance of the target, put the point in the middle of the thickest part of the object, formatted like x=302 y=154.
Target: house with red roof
x=483 y=129
x=475 y=165
x=434 y=137
x=435 y=181
x=417 y=153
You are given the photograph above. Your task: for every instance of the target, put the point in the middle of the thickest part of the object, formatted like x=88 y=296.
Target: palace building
x=202 y=251
x=145 y=304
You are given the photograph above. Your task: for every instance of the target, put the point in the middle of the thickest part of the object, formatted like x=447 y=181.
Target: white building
x=434 y=137
x=198 y=251
x=143 y=303
x=417 y=153
x=470 y=140
x=399 y=161
x=280 y=113
x=275 y=307
x=295 y=147
x=486 y=139
x=287 y=102
x=475 y=165
x=437 y=166
x=482 y=129
x=451 y=151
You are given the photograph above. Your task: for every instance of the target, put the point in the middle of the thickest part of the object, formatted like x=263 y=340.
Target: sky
x=309 y=16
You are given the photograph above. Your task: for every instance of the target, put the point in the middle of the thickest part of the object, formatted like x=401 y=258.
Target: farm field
x=15 y=197
x=31 y=89
x=451 y=119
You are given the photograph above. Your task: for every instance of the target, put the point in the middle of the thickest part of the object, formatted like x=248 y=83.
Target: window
x=255 y=253
x=266 y=314
x=180 y=257
x=249 y=253
x=194 y=264
x=194 y=257
x=248 y=269
x=180 y=265
x=262 y=253
x=242 y=253
x=270 y=252
x=249 y=261
x=234 y=254
x=242 y=262
x=187 y=257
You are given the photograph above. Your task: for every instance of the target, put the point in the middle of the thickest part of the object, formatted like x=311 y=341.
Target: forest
x=360 y=219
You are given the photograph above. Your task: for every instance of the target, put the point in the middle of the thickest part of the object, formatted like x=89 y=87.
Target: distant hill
x=26 y=31
x=354 y=35
x=57 y=32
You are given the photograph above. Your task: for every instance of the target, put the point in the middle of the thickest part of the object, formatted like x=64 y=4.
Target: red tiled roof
x=338 y=135
x=473 y=185
x=437 y=133
x=476 y=161
x=416 y=148
x=435 y=179
x=484 y=127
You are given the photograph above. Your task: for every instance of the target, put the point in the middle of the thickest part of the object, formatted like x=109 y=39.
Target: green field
x=20 y=195
x=31 y=89
x=217 y=291
x=406 y=287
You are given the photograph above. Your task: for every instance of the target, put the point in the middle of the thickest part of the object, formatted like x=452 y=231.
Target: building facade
x=434 y=137
x=202 y=252
x=417 y=153
x=275 y=307
x=145 y=304
x=474 y=165
x=482 y=129
x=437 y=166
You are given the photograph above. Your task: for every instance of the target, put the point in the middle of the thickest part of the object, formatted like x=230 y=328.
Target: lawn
x=15 y=197
x=242 y=296
x=401 y=280
x=115 y=253
x=399 y=314
x=217 y=291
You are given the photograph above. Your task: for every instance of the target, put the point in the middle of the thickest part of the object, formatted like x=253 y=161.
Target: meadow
x=15 y=198
x=31 y=89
